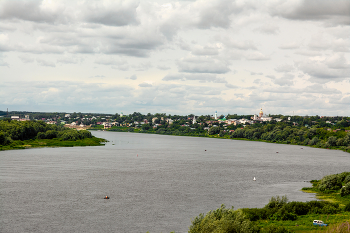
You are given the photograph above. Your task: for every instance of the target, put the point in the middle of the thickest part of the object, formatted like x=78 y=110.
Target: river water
x=156 y=183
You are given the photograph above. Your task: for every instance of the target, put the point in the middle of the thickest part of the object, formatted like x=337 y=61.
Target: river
x=156 y=183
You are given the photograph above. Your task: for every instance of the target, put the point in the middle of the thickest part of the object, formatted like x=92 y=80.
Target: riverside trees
x=27 y=130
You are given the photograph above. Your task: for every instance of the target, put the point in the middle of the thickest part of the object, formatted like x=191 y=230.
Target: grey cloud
x=45 y=63
x=68 y=60
x=308 y=90
x=132 y=77
x=170 y=77
x=284 y=68
x=268 y=29
x=320 y=42
x=308 y=53
x=145 y=84
x=231 y=86
x=320 y=70
x=337 y=61
x=31 y=11
x=3 y=63
x=26 y=59
x=271 y=76
x=114 y=63
x=142 y=66
x=254 y=73
x=132 y=42
x=334 y=12
x=286 y=80
x=241 y=45
x=215 y=13
x=162 y=67
x=107 y=60
x=205 y=50
x=118 y=13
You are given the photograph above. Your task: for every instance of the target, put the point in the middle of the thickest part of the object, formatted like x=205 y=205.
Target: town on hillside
x=228 y=122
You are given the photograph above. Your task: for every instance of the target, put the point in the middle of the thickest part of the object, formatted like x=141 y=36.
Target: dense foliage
x=26 y=130
x=279 y=209
x=279 y=213
x=222 y=220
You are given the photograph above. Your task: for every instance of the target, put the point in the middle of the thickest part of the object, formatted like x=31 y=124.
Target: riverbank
x=225 y=136
x=279 y=215
x=55 y=142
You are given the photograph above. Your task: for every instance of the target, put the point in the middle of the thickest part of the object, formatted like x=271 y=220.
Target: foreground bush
x=222 y=220
x=279 y=208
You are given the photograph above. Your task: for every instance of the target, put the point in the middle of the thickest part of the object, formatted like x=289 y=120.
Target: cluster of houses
x=107 y=121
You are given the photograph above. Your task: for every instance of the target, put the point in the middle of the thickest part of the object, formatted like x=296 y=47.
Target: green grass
x=304 y=222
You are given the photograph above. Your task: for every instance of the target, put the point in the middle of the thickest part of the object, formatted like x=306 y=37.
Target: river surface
x=156 y=183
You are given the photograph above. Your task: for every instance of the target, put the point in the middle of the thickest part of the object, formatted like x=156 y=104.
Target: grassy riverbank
x=55 y=142
x=31 y=134
x=281 y=216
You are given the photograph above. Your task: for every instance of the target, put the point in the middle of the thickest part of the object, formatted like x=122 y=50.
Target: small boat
x=254 y=178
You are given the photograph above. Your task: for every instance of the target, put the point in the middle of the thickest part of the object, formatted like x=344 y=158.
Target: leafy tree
x=330 y=183
x=214 y=130
x=344 y=191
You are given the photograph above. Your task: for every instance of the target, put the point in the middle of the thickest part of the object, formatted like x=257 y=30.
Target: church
x=261 y=117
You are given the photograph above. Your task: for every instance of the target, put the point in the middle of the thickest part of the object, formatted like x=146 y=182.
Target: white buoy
x=254 y=178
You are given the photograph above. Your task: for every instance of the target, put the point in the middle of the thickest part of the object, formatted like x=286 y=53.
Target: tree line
x=27 y=130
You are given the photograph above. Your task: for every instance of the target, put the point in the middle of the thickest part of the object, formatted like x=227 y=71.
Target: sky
x=176 y=57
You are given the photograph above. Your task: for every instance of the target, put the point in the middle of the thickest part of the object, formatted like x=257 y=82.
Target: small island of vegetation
x=30 y=134
x=281 y=216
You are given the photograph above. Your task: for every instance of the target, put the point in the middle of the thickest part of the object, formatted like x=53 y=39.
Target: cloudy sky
x=176 y=57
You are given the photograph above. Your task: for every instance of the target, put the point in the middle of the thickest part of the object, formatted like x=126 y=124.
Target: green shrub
x=254 y=214
x=41 y=135
x=283 y=214
x=50 y=134
x=277 y=202
x=330 y=183
x=222 y=220
x=342 y=176
x=347 y=207
x=347 y=179
x=345 y=190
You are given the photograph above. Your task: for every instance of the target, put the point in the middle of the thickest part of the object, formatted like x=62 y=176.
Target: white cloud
x=269 y=29
x=145 y=84
x=202 y=65
x=43 y=62
x=257 y=56
x=26 y=59
x=284 y=68
x=290 y=45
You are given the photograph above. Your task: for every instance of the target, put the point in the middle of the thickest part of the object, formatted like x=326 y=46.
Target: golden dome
x=261 y=111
